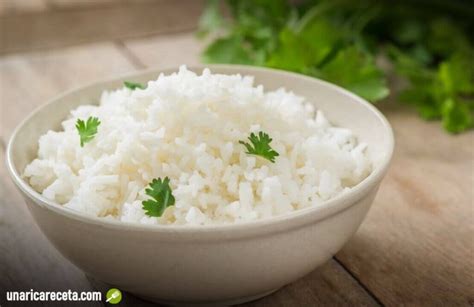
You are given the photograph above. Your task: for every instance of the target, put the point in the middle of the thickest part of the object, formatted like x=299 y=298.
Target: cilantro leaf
x=456 y=74
x=456 y=116
x=87 y=130
x=445 y=93
x=300 y=50
x=251 y=16
x=228 y=50
x=251 y=35
x=292 y=53
x=162 y=197
x=260 y=146
x=444 y=37
x=133 y=85
x=357 y=72
x=455 y=86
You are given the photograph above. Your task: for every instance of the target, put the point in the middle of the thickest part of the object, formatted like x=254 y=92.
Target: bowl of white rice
x=208 y=185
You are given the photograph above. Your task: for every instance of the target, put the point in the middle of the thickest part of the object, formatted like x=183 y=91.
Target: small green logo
x=114 y=296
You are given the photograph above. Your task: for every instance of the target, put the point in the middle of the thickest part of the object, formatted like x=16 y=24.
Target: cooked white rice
x=187 y=127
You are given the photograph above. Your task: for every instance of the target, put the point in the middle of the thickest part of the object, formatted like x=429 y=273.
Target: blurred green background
x=358 y=45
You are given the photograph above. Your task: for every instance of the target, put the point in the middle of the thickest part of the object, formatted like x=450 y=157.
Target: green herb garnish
x=88 y=129
x=133 y=85
x=162 y=197
x=430 y=46
x=445 y=92
x=260 y=146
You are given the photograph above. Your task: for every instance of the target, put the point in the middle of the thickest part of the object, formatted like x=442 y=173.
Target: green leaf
x=299 y=51
x=162 y=197
x=291 y=53
x=266 y=12
x=445 y=37
x=456 y=75
x=87 y=130
x=422 y=99
x=357 y=72
x=133 y=85
x=421 y=54
x=410 y=66
x=446 y=93
x=456 y=116
x=430 y=46
x=227 y=50
x=260 y=146
x=318 y=49
x=251 y=34
x=409 y=31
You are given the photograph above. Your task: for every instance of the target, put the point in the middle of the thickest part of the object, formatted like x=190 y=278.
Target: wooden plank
x=12 y=7
x=417 y=245
x=55 y=28
x=78 y=4
x=329 y=285
x=28 y=80
x=167 y=50
x=27 y=259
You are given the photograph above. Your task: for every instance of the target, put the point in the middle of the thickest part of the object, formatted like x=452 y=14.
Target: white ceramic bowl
x=207 y=264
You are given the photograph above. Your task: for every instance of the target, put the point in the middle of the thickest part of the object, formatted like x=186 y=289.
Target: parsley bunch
x=428 y=43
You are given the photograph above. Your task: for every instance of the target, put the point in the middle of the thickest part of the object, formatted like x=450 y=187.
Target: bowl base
x=229 y=302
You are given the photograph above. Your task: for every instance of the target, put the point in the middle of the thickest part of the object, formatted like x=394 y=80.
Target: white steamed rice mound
x=187 y=127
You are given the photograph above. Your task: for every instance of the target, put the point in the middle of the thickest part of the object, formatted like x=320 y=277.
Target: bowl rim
x=298 y=218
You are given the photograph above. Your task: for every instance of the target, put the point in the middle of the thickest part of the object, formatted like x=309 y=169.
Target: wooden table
x=416 y=246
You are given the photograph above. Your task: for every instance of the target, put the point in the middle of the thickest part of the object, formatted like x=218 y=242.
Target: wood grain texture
x=169 y=50
x=79 y=4
x=416 y=246
x=28 y=80
x=56 y=28
x=329 y=285
x=14 y=7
